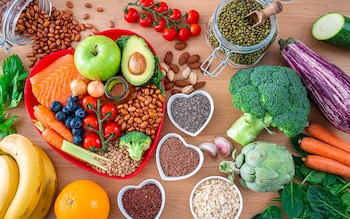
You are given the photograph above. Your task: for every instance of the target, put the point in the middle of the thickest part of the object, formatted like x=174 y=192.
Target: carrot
x=52 y=137
x=322 y=133
x=47 y=118
x=314 y=146
x=327 y=165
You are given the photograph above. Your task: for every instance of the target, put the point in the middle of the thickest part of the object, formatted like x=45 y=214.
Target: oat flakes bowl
x=190 y=113
x=215 y=197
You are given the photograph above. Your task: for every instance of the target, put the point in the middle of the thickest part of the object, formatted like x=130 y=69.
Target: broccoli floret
x=268 y=96
x=137 y=143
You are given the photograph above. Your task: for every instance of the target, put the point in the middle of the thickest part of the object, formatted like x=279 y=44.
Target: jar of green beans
x=233 y=39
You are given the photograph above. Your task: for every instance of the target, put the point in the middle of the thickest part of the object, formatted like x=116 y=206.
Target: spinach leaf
x=311 y=176
x=328 y=180
x=346 y=201
x=292 y=200
x=270 y=212
x=324 y=201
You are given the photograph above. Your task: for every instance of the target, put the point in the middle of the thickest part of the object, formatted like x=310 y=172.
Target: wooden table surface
x=295 y=21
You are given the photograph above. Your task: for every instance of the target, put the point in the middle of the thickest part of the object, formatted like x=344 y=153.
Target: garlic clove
x=210 y=148
x=225 y=146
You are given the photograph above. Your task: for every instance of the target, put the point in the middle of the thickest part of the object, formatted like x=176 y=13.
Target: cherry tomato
x=161 y=7
x=111 y=128
x=89 y=103
x=92 y=139
x=192 y=17
x=161 y=25
x=146 y=3
x=170 y=34
x=131 y=16
x=184 y=34
x=195 y=29
x=110 y=110
x=175 y=14
x=90 y=121
x=146 y=20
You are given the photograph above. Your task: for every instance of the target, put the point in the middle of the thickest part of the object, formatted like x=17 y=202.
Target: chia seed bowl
x=190 y=113
x=216 y=197
x=147 y=200
x=176 y=159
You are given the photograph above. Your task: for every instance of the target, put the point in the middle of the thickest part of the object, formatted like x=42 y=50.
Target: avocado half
x=137 y=63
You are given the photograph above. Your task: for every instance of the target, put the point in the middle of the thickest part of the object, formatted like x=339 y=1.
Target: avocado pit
x=137 y=64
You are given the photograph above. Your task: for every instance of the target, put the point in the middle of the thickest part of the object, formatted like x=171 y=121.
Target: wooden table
x=295 y=21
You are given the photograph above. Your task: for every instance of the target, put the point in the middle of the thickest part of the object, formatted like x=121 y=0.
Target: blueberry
x=72 y=99
x=68 y=121
x=80 y=113
x=77 y=139
x=76 y=123
x=78 y=131
x=56 y=106
x=66 y=111
x=61 y=116
x=71 y=106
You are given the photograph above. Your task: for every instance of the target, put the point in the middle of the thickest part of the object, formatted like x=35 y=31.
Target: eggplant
x=328 y=85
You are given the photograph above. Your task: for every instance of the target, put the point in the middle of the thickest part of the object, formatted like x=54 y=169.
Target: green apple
x=97 y=57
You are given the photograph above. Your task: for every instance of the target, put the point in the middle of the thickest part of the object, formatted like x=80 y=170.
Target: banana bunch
x=28 y=179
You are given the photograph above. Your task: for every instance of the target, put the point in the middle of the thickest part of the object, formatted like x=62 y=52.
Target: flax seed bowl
x=176 y=159
x=190 y=113
x=146 y=200
x=215 y=197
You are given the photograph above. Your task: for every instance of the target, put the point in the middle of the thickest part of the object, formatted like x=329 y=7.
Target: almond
x=188 y=89
x=175 y=91
x=170 y=75
x=168 y=58
x=183 y=58
x=180 y=45
x=186 y=72
x=199 y=84
x=174 y=67
x=192 y=59
x=169 y=85
x=192 y=78
x=181 y=82
x=195 y=65
x=164 y=66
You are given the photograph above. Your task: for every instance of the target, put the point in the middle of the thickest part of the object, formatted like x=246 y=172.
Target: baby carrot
x=314 y=146
x=327 y=165
x=47 y=118
x=322 y=133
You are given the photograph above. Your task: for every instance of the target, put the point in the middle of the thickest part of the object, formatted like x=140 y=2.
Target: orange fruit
x=82 y=199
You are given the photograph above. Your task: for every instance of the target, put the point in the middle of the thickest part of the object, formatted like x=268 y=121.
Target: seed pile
x=191 y=113
x=176 y=159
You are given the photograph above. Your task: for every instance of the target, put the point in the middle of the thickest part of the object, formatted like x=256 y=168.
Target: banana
x=9 y=178
x=31 y=175
x=49 y=188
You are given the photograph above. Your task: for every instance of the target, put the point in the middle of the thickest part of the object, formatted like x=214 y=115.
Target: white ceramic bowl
x=147 y=181
x=189 y=96
x=239 y=211
x=160 y=169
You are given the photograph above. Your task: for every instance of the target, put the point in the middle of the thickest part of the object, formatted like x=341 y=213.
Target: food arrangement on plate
x=68 y=96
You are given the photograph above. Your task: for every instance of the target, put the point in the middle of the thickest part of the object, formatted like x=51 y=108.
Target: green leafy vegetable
x=12 y=82
x=292 y=199
x=270 y=212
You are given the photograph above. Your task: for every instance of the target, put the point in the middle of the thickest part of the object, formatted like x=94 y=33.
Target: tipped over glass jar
x=10 y=28
x=229 y=33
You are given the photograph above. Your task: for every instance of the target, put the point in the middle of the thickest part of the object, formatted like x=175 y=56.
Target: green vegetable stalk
x=137 y=143
x=268 y=96
x=262 y=166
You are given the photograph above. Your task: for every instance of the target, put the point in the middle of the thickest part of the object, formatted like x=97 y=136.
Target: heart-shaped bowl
x=217 y=197
x=190 y=113
x=174 y=152
x=31 y=101
x=140 y=197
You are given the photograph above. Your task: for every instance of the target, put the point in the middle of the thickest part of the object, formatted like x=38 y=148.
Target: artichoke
x=262 y=166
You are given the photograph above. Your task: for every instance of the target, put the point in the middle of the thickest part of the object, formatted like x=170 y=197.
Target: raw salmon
x=52 y=83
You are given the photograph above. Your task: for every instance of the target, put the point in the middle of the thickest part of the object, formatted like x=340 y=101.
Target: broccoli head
x=137 y=143
x=268 y=96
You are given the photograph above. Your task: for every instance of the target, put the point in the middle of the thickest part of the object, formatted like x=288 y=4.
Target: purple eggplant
x=328 y=85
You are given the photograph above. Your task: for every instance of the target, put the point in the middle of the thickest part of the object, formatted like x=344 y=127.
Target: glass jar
x=10 y=11
x=230 y=35
x=118 y=90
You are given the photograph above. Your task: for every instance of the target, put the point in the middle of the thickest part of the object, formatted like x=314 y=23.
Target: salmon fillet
x=52 y=83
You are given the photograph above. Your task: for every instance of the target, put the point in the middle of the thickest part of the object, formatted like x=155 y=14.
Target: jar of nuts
x=11 y=29
x=232 y=37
